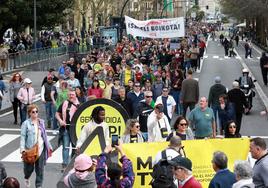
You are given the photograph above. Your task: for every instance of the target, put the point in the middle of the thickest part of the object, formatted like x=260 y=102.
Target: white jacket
x=154 y=125
x=170 y=103
x=89 y=128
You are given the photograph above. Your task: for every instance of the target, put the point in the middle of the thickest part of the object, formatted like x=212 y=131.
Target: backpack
x=162 y=174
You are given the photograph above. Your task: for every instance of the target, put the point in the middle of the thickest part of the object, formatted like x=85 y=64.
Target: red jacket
x=191 y=183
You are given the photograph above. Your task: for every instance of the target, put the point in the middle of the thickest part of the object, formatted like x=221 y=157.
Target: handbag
x=31 y=155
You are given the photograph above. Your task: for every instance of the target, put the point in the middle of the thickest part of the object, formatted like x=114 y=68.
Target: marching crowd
x=154 y=83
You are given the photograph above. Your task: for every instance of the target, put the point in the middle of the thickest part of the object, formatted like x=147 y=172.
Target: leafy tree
x=18 y=14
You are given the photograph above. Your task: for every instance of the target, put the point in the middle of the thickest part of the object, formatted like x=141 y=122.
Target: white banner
x=156 y=28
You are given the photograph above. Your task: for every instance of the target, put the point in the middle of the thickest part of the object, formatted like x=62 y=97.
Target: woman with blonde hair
x=132 y=133
x=33 y=134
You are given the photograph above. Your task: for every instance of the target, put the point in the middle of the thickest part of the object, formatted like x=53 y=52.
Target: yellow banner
x=199 y=151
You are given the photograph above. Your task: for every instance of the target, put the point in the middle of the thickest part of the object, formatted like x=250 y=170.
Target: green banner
x=168 y=4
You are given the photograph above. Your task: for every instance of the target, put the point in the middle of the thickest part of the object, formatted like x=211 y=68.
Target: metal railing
x=25 y=58
x=21 y=59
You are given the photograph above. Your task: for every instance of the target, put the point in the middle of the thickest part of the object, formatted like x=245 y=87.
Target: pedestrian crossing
x=13 y=140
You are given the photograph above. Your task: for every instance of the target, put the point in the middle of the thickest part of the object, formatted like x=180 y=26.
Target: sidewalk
x=35 y=76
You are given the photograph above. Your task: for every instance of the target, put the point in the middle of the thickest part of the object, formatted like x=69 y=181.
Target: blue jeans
x=145 y=136
x=55 y=122
x=39 y=169
x=176 y=95
x=23 y=112
x=66 y=140
x=49 y=111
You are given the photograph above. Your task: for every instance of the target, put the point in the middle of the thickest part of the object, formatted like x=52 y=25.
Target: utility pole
x=35 y=25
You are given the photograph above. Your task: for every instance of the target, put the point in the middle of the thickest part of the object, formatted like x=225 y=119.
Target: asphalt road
x=215 y=64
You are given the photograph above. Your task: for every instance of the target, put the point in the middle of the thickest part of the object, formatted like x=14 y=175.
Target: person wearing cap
x=223 y=178
x=82 y=175
x=47 y=101
x=51 y=72
x=158 y=125
x=202 y=120
x=238 y=98
x=213 y=97
x=168 y=102
x=183 y=173
x=26 y=95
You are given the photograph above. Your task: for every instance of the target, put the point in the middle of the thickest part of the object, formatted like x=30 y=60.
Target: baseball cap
x=82 y=162
x=27 y=81
x=181 y=162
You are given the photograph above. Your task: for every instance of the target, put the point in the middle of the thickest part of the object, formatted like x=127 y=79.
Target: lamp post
x=172 y=2
x=35 y=25
x=121 y=21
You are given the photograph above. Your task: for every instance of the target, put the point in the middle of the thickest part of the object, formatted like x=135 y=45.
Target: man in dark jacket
x=213 y=98
x=223 y=177
x=135 y=97
x=189 y=92
x=122 y=99
x=237 y=97
x=143 y=110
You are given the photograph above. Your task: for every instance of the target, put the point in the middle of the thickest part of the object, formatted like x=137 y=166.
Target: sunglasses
x=149 y=96
x=137 y=126
x=35 y=112
x=178 y=168
x=232 y=127
x=137 y=86
x=183 y=124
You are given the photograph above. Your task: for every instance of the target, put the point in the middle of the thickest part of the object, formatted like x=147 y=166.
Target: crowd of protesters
x=154 y=83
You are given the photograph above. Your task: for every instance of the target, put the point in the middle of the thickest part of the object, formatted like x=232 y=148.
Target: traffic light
x=207 y=7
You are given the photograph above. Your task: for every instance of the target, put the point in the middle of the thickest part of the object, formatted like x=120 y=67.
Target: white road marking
x=6 y=138
x=258 y=57
x=215 y=56
x=15 y=156
x=221 y=59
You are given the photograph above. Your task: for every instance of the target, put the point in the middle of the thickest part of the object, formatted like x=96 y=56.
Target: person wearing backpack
x=183 y=173
x=173 y=150
x=162 y=170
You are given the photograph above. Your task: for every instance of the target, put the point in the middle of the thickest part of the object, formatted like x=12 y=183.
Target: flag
x=168 y=4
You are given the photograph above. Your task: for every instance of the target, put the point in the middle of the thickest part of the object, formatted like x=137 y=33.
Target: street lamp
x=172 y=2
